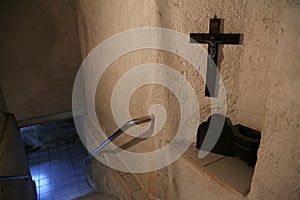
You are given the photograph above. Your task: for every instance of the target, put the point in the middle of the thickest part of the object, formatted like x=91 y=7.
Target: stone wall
x=277 y=173
x=13 y=161
x=261 y=80
x=39 y=55
x=262 y=29
x=92 y=17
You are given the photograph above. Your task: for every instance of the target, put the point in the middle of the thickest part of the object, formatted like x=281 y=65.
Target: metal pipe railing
x=126 y=126
x=5 y=178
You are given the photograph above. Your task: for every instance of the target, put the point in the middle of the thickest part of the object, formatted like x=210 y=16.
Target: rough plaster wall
x=39 y=55
x=99 y=20
x=277 y=173
x=267 y=86
x=258 y=85
x=92 y=17
x=193 y=17
x=259 y=48
x=140 y=102
x=247 y=71
x=111 y=183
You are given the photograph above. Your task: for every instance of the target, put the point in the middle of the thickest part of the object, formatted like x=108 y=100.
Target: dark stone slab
x=49 y=134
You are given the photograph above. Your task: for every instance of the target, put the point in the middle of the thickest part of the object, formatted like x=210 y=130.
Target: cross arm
x=228 y=38
x=200 y=38
x=212 y=38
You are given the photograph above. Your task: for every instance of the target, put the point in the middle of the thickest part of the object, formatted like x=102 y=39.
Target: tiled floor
x=60 y=173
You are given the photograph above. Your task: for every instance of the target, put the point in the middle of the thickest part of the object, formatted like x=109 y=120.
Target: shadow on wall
x=32 y=31
x=39 y=56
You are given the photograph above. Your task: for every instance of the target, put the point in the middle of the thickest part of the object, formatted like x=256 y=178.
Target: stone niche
x=260 y=77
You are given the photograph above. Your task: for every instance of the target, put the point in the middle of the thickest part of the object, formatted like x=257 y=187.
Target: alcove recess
x=233 y=171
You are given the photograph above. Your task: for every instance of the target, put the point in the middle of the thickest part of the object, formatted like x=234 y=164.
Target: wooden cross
x=213 y=39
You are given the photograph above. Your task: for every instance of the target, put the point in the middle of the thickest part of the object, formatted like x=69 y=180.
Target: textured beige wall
x=193 y=17
x=98 y=20
x=39 y=56
x=261 y=79
x=260 y=46
x=277 y=173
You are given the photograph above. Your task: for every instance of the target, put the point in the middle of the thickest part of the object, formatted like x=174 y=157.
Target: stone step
x=17 y=189
x=96 y=196
x=137 y=192
x=12 y=154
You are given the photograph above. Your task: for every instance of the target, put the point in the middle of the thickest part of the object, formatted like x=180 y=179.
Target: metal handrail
x=4 y=178
x=123 y=128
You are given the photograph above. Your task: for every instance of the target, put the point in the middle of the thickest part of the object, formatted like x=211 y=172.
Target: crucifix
x=213 y=39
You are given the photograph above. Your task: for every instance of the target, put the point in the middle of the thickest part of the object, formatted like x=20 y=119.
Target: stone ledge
x=231 y=171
